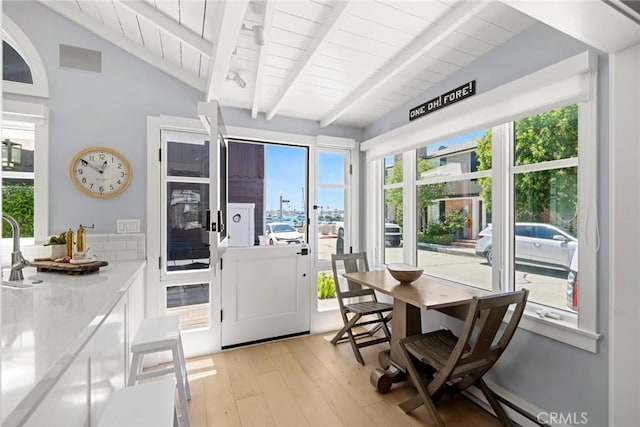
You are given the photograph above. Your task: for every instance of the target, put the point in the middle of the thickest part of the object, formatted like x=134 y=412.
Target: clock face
x=100 y=172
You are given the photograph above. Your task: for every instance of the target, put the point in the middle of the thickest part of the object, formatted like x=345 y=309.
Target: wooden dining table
x=427 y=292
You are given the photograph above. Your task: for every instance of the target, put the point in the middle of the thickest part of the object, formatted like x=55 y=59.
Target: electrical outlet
x=128 y=226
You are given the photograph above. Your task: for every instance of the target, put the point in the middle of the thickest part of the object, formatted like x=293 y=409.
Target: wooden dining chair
x=441 y=363
x=359 y=306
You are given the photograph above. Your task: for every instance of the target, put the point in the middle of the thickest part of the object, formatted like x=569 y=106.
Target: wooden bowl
x=404 y=273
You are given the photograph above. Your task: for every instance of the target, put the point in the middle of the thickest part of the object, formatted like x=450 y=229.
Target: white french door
x=181 y=270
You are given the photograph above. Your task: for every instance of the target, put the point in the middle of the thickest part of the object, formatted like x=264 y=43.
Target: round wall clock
x=100 y=172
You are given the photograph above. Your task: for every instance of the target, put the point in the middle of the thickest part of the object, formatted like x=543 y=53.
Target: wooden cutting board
x=48 y=265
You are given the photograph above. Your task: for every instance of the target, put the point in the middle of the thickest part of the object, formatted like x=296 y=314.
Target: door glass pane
x=331 y=225
x=331 y=167
x=546 y=224
x=187 y=240
x=188 y=159
x=191 y=303
x=266 y=194
x=393 y=225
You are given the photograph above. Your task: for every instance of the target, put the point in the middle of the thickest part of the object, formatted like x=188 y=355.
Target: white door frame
x=320 y=321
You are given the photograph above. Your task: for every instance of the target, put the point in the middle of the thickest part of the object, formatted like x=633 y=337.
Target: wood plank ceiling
x=345 y=62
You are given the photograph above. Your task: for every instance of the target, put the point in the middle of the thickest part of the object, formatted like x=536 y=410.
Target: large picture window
x=502 y=195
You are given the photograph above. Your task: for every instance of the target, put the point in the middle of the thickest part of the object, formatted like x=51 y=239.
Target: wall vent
x=78 y=58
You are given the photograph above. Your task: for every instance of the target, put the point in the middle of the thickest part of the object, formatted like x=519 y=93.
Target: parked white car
x=572 y=283
x=280 y=233
x=537 y=244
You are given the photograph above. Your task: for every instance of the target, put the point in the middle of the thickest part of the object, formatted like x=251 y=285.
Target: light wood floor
x=306 y=381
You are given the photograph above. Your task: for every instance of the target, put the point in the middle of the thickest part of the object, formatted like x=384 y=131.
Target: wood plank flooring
x=306 y=381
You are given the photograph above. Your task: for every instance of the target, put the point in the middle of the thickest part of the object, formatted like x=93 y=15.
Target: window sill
x=565 y=329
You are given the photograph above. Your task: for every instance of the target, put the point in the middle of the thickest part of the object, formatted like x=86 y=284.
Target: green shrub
x=326 y=286
x=436 y=232
x=17 y=201
x=441 y=239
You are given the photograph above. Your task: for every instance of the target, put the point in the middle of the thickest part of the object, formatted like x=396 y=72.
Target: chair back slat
x=489 y=340
x=491 y=321
x=351 y=263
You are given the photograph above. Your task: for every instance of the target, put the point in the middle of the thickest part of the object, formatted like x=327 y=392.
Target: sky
x=286 y=171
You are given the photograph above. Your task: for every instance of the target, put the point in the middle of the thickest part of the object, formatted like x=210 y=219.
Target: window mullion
x=409 y=232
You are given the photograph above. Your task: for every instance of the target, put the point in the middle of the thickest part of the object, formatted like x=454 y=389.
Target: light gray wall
x=96 y=109
x=547 y=373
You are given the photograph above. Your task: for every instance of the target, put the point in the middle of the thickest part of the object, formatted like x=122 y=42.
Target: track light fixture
x=258 y=33
x=237 y=79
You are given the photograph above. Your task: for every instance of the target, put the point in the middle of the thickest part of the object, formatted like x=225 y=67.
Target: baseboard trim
x=522 y=412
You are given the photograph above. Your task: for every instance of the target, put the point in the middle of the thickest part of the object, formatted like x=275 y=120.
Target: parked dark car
x=392 y=235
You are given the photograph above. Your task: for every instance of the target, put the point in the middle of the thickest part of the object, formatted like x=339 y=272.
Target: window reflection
x=187 y=240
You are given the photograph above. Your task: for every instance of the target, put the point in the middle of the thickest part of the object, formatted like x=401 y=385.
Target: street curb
x=447 y=249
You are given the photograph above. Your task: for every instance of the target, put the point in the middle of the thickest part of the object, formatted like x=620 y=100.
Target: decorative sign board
x=451 y=97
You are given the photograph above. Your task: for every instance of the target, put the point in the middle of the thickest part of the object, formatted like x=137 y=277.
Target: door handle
x=303 y=251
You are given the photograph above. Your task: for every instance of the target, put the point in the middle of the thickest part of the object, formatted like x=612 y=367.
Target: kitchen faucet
x=17 y=260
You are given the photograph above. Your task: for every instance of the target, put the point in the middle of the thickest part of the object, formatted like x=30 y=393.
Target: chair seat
x=368 y=307
x=433 y=348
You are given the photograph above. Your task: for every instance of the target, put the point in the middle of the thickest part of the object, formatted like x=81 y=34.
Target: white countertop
x=45 y=326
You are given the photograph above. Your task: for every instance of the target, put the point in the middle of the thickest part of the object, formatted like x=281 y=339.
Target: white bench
x=150 y=404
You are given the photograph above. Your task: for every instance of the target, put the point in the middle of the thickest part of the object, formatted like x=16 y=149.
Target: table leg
x=406 y=322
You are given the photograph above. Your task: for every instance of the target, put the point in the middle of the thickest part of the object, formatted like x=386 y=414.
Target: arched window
x=14 y=67
x=25 y=135
x=23 y=70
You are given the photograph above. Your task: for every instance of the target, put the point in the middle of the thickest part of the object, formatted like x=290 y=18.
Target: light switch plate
x=128 y=226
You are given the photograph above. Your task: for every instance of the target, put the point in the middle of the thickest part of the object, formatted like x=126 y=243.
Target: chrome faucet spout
x=17 y=260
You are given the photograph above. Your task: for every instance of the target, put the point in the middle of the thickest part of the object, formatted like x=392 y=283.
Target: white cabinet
x=100 y=368
x=69 y=402
x=135 y=311
x=110 y=358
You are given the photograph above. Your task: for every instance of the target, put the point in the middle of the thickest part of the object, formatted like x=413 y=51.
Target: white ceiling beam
x=330 y=26
x=262 y=58
x=415 y=50
x=588 y=21
x=228 y=23
x=155 y=17
x=73 y=13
